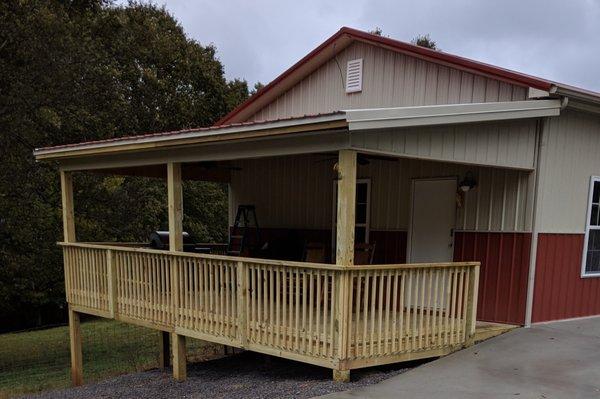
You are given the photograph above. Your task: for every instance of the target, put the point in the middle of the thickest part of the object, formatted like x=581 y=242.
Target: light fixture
x=468 y=183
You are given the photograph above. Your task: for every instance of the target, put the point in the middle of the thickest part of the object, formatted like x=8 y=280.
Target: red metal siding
x=503 y=275
x=560 y=292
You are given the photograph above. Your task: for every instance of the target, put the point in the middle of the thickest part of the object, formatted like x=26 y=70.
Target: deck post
x=346 y=210
x=175 y=210
x=164 y=356
x=75 y=344
x=471 y=314
x=68 y=213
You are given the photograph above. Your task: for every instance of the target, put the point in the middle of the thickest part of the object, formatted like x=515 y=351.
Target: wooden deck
x=333 y=316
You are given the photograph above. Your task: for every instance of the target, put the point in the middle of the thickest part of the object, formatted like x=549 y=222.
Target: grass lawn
x=39 y=360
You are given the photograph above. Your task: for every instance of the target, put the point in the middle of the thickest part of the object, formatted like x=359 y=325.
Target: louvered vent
x=354 y=73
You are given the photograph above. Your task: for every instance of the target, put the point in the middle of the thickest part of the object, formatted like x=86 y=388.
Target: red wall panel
x=503 y=275
x=560 y=292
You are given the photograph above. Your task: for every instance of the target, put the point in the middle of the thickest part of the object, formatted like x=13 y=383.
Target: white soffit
x=381 y=118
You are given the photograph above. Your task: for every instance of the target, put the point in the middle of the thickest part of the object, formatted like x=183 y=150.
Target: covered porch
x=314 y=181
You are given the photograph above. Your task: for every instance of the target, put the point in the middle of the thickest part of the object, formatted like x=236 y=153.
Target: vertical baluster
x=278 y=306
x=422 y=310
x=373 y=312
x=380 y=287
x=357 y=311
x=388 y=310
x=271 y=306
x=448 y=293
x=317 y=343
x=285 y=305
x=453 y=308
x=252 y=287
x=402 y=336
x=304 y=308
x=297 y=308
x=311 y=288
x=366 y=311
x=334 y=294
x=409 y=304
x=435 y=309
x=395 y=309
x=459 y=306
x=326 y=301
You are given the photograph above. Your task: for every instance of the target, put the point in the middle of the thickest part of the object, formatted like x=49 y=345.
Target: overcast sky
x=259 y=39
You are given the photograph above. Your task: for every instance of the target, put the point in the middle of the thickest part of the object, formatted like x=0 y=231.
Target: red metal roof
x=193 y=130
x=396 y=45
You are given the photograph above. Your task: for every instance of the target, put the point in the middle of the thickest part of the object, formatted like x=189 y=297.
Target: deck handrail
x=341 y=317
x=274 y=262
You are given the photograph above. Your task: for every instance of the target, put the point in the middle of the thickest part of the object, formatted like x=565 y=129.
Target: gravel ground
x=244 y=375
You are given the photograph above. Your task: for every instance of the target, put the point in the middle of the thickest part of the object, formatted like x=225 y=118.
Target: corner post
x=68 y=213
x=471 y=314
x=175 y=210
x=112 y=283
x=346 y=210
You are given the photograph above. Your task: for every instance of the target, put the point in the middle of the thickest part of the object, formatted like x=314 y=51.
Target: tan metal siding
x=390 y=80
x=511 y=144
x=296 y=192
x=570 y=155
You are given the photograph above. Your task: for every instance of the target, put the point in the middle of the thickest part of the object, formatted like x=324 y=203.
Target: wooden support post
x=68 y=212
x=76 y=354
x=175 y=197
x=175 y=210
x=341 y=375
x=346 y=210
x=164 y=358
x=179 y=357
x=471 y=314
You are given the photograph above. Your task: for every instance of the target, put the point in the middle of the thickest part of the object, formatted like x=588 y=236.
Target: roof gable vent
x=354 y=74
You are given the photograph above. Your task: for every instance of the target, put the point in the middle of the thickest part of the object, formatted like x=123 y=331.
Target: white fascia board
x=381 y=118
x=187 y=134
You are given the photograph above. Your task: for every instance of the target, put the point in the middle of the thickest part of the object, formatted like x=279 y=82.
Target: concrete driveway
x=556 y=360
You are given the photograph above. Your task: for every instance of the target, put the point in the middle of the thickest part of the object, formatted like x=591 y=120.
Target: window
x=591 y=248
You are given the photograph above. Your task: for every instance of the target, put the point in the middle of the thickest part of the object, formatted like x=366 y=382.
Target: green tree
x=84 y=70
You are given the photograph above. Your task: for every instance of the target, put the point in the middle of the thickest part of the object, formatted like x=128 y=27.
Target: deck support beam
x=68 y=214
x=175 y=210
x=75 y=345
x=164 y=356
x=341 y=375
x=179 y=357
x=346 y=210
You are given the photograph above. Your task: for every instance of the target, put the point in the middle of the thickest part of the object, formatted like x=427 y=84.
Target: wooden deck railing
x=333 y=316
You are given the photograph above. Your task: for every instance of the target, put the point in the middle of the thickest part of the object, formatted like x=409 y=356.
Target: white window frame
x=366 y=225
x=588 y=227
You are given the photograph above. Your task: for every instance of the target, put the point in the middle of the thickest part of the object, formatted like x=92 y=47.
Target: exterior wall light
x=468 y=183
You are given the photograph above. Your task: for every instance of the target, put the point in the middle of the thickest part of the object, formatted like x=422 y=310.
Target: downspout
x=536 y=214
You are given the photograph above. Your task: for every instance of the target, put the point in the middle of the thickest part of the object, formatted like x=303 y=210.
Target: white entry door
x=433 y=212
